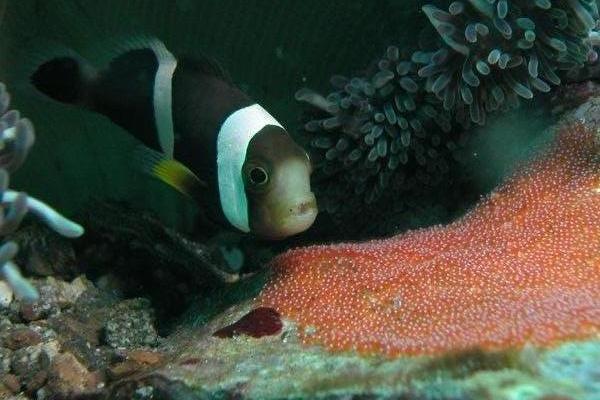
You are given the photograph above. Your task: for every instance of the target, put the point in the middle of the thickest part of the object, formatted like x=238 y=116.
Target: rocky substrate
x=83 y=342
x=77 y=339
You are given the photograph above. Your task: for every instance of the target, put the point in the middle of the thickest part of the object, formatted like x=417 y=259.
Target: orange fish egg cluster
x=521 y=267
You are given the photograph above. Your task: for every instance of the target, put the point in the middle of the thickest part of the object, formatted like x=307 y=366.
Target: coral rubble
x=65 y=345
x=522 y=267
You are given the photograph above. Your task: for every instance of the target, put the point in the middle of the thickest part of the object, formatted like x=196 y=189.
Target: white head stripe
x=163 y=99
x=232 y=143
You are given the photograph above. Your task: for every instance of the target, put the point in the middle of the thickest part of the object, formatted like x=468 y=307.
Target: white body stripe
x=163 y=98
x=232 y=143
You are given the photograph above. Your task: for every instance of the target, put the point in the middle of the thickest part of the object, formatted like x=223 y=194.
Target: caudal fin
x=65 y=79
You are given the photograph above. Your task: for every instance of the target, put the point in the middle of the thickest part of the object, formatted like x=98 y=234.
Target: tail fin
x=51 y=69
x=65 y=79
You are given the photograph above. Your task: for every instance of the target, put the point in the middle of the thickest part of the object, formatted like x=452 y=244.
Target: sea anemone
x=496 y=52
x=376 y=130
x=16 y=138
x=392 y=130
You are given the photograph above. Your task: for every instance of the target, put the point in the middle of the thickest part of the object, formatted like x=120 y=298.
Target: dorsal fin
x=102 y=53
x=109 y=49
x=204 y=64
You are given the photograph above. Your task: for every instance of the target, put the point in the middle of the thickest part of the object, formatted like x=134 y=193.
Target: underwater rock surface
x=281 y=367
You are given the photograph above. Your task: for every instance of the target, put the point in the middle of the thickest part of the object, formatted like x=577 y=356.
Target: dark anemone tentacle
x=497 y=53
x=392 y=130
x=373 y=129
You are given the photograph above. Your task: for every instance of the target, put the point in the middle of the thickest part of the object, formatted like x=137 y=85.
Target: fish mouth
x=302 y=217
x=297 y=218
x=305 y=207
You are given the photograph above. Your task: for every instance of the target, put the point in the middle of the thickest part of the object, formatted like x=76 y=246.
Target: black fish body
x=209 y=139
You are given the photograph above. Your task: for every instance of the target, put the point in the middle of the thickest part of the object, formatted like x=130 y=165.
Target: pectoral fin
x=168 y=170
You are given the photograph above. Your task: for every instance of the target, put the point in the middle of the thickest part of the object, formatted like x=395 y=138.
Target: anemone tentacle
x=496 y=53
x=370 y=128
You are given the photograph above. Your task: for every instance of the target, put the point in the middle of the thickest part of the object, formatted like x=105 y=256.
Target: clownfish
x=201 y=134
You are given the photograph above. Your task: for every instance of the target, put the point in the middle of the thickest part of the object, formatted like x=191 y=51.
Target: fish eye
x=258 y=176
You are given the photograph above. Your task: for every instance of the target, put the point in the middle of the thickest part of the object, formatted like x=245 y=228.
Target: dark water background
x=271 y=48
